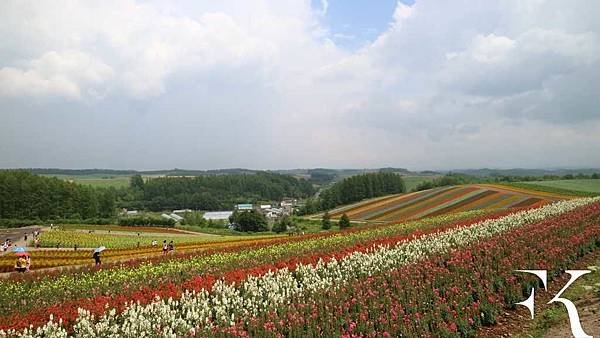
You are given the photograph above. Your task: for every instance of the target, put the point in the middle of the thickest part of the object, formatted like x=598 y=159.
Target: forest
x=216 y=192
x=26 y=198
x=354 y=189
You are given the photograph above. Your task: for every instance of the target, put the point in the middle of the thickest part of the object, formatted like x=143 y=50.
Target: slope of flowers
x=114 y=286
x=228 y=303
x=442 y=200
x=445 y=295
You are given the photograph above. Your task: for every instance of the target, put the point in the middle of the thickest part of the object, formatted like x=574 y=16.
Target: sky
x=277 y=84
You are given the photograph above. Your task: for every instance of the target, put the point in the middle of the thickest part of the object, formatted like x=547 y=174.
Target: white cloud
x=55 y=73
x=263 y=84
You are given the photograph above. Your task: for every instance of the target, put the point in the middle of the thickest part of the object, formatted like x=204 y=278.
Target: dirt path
x=589 y=316
x=179 y=233
x=17 y=235
x=518 y=323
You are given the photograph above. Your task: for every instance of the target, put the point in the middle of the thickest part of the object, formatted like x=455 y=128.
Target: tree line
x=354 y=189
x=217 y=192
x=26 y=198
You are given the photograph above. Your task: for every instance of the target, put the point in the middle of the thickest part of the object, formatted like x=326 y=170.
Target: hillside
x=443 y=200
x=574 y=187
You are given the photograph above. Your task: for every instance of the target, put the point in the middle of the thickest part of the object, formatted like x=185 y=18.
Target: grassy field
x=96 y=180
x=411 y=182
x=99 y=181
x=574 y=188
x=585 y=185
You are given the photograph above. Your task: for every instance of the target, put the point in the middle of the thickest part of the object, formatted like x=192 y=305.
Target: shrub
x=147 y=221
x=344 y=222
x=326 y=222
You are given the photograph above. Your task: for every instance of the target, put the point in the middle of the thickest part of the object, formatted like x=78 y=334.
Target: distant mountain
x=524 y=172
x=112 y=172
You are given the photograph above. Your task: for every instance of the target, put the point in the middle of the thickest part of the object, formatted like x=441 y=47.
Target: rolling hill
x=443 y=200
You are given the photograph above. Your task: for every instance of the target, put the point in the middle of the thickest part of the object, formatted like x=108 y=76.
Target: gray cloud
x=128 y=84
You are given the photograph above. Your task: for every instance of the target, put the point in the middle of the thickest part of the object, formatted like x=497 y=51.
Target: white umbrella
x=100 y=249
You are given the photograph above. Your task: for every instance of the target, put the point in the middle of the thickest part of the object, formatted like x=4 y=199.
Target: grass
x=222 y=231
x=411 y=182
x=576 y=187
x=119 y=228
x=585 y=185
x=97 y=181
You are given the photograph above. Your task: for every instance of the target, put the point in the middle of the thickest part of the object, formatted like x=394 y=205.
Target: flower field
x=444 y=200
x=69 y=238
x=381 y=280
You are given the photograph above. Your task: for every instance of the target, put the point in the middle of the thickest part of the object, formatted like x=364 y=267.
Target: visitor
x=171 y=247
x=138 y=244
x=154 y=243
x=165 y=247
x=75 y=247
x=25 y=238
x=96 y=257
x=5 y=245
x=28 y=265
x=21 y=264
x=36 y=242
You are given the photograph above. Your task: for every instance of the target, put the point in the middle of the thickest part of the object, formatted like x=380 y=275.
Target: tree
x=250 y=221
x=595 y=176
x=106 y=203
x=326 y=221
x=136 y=182
x=283 y=224
x=344 y=222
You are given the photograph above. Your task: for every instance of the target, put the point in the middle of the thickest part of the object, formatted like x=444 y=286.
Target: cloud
x=70 y=74
x=262 y=84
x=324 y=6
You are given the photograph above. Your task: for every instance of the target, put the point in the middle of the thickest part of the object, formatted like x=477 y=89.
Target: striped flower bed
x=225 y=304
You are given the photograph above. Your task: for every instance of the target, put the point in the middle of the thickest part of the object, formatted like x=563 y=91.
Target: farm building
x=243 y=207
x=182 y=211
x=176 y=217
x=217 y=215
x=273 y=212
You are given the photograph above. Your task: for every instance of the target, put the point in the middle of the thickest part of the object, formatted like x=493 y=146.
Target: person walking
x=96 y=257
x=171 y=247
x=165 y=247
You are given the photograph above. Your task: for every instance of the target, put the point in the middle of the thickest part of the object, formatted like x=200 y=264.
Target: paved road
x=17 y=235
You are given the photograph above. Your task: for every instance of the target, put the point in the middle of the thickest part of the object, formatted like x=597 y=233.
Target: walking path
x=16 y=235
